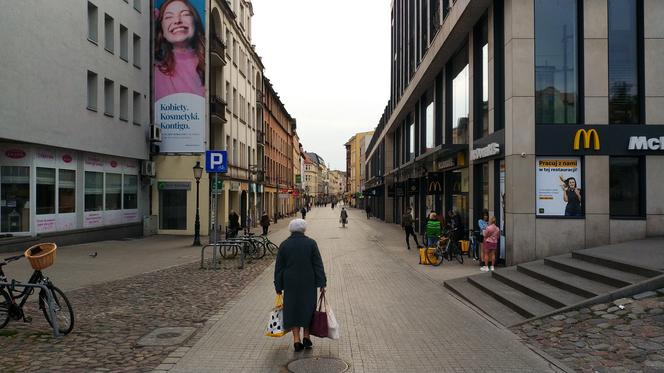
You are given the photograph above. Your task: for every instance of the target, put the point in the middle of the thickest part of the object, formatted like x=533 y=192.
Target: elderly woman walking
x=299 y=271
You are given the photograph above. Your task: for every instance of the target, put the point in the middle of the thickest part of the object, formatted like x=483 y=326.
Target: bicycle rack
x=49 y=298
x=215 y=262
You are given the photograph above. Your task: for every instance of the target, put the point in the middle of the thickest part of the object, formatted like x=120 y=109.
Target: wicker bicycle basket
x=41 y=256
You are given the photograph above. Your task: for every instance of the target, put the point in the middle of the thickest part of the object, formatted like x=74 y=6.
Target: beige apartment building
x=355 y=148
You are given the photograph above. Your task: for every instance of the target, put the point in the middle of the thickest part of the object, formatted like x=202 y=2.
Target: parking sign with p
x=216 y=161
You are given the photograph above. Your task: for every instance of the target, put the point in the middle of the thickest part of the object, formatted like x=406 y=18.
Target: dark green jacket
x=433 y=228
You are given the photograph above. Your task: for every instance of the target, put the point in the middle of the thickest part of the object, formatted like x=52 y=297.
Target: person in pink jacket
x=491 y=236
x=179 y=52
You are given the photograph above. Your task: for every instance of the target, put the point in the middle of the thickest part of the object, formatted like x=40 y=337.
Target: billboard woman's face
x=177 y=23
x=572 y=183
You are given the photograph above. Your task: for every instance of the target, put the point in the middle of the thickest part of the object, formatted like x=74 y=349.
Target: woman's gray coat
x=299 y=271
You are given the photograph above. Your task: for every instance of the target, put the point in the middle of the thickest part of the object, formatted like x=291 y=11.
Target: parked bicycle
x=12 y=300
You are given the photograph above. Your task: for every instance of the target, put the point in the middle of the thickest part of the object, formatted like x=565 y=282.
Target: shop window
x=94 y=191
x=130 y=192
x=45 y=191
x=173 y=208
x=624 y=100
x=626 y=183
x=113 y=191
x=66 y=191
x=556 y=62
x=14 y=199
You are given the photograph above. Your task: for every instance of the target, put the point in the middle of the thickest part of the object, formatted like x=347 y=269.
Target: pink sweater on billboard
x=184 y=78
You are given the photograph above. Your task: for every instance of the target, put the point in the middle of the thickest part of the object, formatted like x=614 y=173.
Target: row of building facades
x=81 y=150
x=549 y=114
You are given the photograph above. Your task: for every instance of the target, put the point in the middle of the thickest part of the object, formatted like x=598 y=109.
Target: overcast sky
x=330 y=63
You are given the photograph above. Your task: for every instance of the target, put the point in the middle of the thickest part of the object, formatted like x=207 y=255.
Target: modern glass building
x=546 y=113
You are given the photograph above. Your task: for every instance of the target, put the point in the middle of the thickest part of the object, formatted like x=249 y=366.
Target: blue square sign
x=216 y=161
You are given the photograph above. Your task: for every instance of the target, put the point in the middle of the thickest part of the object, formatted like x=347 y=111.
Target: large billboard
x=179 y=74
x=559 y=190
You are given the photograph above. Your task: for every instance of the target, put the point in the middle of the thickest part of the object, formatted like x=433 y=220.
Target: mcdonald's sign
x=587 y=135
x=434 y=183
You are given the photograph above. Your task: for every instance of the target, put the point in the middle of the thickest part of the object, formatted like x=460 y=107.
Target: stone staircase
x=514 y=294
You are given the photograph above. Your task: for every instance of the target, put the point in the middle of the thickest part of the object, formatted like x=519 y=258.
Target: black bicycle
x=12 y=300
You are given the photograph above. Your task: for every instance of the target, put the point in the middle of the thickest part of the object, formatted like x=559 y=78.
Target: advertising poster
x=559 y=190
x=179 y=74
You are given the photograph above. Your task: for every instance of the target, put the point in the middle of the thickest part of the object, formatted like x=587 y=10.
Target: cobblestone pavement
x=624 y=336
x=393 y=318
x=111 y=317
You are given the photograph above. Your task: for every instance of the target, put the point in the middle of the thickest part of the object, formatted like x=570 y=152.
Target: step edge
x=617 y=265
x=586 y=273
x=582 y=292
x=531 y=292
x=503 y=299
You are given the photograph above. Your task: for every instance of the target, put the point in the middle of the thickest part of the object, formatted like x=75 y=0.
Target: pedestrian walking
x=434 y=230
x=299 y=271
x=407 y=224
x=233 y=223
x=343 y=218
x=265 y=223
x=491 y=235
x=368 y=210
x=303 y=211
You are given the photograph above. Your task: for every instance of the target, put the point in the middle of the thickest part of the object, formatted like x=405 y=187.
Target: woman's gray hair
x=297 y=225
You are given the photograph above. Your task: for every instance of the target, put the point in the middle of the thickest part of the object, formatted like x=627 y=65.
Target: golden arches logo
x=587 y=136
x=434 y=186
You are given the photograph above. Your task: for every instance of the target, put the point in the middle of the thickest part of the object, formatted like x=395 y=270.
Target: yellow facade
x=354 y=146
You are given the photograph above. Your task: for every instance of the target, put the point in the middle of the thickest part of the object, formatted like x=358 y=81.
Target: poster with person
x=558 y=187
x=179 y=74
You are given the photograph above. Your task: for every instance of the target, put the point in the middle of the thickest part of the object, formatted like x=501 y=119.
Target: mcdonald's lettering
x=434 y=186
x=587 y=136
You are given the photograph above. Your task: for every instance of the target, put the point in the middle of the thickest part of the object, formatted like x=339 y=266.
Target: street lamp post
x=198 y=172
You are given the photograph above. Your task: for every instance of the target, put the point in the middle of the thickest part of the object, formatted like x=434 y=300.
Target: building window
x=124 y=103
x=124 y=43
x=130 y=192
x=93 y=22
x=66 y=191
x=411 y=141
x=109 y=101
x=429 y=126
x=137 y=114
x=94 y=191
x=173 y=208
x=45 y=191
x=92 y=91
x=481 y=79
x=15 y=192
x=460 y=97
x=625 y=186
x=108 y=33
x=624 y=100
x=235 y=160
x=113 y=191
x=235 y=103
x=137 y=51
x=137 y=5
x=556 y=61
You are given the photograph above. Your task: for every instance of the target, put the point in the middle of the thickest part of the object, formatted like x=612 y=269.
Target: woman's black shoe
x=298 y=346
x=306 y=342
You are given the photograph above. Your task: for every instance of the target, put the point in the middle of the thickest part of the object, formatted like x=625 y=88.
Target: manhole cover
x=318 y=364
x=166 y=336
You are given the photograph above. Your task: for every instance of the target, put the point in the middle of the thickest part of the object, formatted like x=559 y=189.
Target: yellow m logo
x=434 y=186
x=587 y=136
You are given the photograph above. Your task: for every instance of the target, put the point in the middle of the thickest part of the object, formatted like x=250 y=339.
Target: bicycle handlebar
x=13 y=258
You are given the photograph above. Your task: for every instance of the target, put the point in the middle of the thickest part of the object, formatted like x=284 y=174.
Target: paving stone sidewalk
x=623 y=336
x=111 y=317
x=393 y=318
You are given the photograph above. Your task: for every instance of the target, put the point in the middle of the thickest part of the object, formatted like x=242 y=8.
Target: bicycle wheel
x=5 y=303
x=272 y=248
x=458 y=254
x=63 y=311
x=228 y=252
x=438 y=254
x=256 y=250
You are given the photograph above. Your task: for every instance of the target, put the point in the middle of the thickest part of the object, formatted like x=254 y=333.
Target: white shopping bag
x=275 y=326
x=332 y=324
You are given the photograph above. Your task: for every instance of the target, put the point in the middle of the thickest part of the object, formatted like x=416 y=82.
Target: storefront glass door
x=14 y=199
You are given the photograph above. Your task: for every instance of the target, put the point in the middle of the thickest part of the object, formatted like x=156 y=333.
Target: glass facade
x=94 y=191
x=429 y=127
x=14 y=199
x=623 y=62
x=45 y=191
x=173 y=208
x=556 y=62
x=625 y=184
x=460 y=107
x=67 y=191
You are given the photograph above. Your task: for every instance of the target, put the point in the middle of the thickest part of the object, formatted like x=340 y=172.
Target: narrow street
x=394 y=316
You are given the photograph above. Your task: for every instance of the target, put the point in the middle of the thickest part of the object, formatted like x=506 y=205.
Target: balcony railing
x=218 y=108
x=217 y=48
